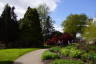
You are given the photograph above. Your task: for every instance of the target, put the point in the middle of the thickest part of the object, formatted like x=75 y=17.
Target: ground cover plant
x=49 y=55
x=55 y=49
x=62 y=61
x=75 y=53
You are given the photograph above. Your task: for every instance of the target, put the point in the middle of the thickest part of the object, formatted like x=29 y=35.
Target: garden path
x=31 y=58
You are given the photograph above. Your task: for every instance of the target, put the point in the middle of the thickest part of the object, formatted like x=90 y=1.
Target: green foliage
x=71 y=51
x=55 y=49
x=90 y=32
x=46 y=21
x=75 y=52
x=65 y=51
x=62 y=61
x=8 y=25
x=49 y=55
x=89 y=56
x=70 y=46
x=31 y=32
x=85 y=56
x=74 y=23
x=92 y=56
x=92 y=48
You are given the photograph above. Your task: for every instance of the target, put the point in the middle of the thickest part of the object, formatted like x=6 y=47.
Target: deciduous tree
x=74 y=23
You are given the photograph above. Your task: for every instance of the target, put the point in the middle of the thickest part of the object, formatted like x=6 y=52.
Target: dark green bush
x=92 y=47
x=92 y=56
x=85 y=56
x=55 y=49
x=62 y=61
x=89 y=56
x=49 y=55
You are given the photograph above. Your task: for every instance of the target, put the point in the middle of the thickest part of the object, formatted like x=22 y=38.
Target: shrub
x=71 y=51
x=75 y=52
x=85 y=56
x=65 y=51
x=49 y=55
x=55 y=49
x=92 y=47
x=92 y=56
x=62 y=61
x=70 y=46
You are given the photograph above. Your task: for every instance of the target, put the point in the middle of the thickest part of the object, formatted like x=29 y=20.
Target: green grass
x=9 y=55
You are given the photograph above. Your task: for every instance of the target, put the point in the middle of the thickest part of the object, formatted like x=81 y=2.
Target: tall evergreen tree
x=9 y=26
x=6 y=18
x=31 y=28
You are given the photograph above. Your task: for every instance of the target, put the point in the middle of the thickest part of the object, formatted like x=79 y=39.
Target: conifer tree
x=9 y=25
x=31 y=28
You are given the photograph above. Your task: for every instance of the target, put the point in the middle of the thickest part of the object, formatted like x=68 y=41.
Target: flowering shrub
x=52 y=41
x=64 y=38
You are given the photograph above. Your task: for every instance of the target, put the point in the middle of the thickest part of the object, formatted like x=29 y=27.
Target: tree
x=49 y=25
x=89 y=33
x=46 y=21
x=30 y=28
x=8 y=27
x=74 y=24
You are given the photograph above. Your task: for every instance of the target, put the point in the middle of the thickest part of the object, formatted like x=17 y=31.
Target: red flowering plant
x=52 y=41
x=64 y=38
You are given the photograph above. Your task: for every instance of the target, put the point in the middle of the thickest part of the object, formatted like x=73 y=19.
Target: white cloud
x=21 y=5
x=58 y=28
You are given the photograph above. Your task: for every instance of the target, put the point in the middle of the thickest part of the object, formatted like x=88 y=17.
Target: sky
x=59 y=9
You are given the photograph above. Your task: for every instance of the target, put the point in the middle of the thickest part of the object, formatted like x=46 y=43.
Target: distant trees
x=31 y=31
x=46 y=21
x=8 y=25
x=74 y=23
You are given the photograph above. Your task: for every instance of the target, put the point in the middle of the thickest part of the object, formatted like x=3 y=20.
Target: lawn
x=7 y=56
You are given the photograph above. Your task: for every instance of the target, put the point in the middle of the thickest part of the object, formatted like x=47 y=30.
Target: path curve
x=33 y=57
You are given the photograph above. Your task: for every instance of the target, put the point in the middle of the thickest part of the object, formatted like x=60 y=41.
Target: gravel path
x=31 y=58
